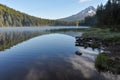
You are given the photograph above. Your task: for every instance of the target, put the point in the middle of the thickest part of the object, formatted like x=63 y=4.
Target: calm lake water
x=44 y=54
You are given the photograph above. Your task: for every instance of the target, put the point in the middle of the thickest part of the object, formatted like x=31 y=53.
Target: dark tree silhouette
x=108 y=16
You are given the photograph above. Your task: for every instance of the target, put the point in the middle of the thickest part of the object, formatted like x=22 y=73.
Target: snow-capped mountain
x=90 y=11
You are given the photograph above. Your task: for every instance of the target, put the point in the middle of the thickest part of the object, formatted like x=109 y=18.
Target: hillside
x=11 y=17
x=90 y=11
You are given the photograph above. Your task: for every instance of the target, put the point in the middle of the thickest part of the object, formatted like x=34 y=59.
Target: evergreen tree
x=108 y=16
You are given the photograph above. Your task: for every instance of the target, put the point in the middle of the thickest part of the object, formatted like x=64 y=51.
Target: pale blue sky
x=51 y=9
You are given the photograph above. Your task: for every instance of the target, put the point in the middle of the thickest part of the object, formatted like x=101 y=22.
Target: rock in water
x=78 y=53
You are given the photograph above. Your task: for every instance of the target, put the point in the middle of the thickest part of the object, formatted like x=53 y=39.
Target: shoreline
x=109 y=59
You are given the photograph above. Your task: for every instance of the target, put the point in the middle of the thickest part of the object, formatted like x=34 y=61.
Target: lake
x=45 y=54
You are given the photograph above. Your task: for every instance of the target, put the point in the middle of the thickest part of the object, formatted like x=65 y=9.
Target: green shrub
x=101 y=63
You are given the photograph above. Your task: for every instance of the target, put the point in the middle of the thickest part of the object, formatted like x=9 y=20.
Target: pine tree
x=108 y=16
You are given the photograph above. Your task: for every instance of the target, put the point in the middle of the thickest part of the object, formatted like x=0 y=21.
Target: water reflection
x=47 y=57
x=8 y=39
x=12 y=36
x=45 y=54
x=95 y=44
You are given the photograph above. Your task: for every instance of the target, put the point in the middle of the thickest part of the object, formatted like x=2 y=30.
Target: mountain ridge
x=90 y=11
x=12 y=17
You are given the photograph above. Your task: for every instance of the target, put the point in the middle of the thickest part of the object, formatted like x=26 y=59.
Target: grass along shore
x=107 y=62
x=104 y=34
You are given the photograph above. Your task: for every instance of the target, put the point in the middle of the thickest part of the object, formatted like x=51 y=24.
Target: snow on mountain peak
x=90 y=11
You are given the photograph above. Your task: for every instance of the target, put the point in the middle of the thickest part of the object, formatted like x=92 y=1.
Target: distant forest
x=11 y=17
x=107 y=16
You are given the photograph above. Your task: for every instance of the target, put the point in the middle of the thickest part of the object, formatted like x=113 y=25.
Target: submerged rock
x=78 y=53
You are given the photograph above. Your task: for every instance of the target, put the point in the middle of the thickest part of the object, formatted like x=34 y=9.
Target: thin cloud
x=84 y=0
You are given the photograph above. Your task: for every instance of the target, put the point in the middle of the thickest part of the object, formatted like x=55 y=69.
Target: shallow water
x=50 y=56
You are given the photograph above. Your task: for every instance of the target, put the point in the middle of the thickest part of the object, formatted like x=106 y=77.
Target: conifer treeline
x=11 y=17
x=108 y=16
